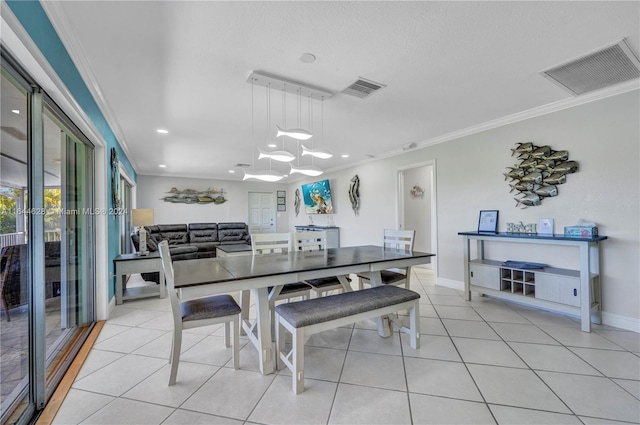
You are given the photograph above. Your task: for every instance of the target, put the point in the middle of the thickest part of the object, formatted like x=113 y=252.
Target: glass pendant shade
x=311 y=171
x=318 y=153
x=295 y=133
x=282 y=156
x=265 y=175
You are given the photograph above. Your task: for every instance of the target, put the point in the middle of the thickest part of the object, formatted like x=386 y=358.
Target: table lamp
x=142 y=217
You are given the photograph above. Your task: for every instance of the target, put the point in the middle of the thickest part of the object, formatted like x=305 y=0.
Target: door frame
x=400 y=203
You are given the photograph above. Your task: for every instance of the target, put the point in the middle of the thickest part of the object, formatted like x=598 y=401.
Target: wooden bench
x=305 y=318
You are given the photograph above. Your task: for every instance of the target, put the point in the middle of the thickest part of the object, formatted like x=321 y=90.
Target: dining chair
x=401 y=240
x=317 y=241
x=278 y=243
x=196 y=313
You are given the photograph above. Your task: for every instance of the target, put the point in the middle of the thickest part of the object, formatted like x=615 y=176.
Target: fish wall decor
x=354 y=193
x=296 y=201
x=538 y=172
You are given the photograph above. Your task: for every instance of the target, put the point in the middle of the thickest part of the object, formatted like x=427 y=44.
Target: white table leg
x=264 y=331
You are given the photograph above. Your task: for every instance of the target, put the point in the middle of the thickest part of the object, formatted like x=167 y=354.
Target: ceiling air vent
x=596 y=70
x=363 y=88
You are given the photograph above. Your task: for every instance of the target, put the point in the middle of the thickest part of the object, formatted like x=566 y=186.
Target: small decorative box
x=580 y=231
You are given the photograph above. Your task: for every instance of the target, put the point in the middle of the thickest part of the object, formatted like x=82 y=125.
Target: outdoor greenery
x=8 y=199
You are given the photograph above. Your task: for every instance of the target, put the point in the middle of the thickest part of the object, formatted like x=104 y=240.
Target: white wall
x=604 y=138
x=150 y=190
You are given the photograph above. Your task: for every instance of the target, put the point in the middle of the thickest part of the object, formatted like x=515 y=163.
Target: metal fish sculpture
x=555 y=178
x=522 y=187
x=528 y=163
x=559 y=155
x=541 y=152
x=567 y=167
x=545 y=164
x=533 y=177
x=528 y=201
x=296 y=133
x=514 y=173
x=522 y=148
x=282 y=156
x=354 y=193
x=546 y=191
x=296 y=202
x=539 y=170
x=318 y=153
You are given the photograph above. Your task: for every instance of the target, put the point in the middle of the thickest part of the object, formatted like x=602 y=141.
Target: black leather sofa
x=193 y=240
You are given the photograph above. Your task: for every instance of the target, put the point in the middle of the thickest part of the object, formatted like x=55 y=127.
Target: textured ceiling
x=448 y=66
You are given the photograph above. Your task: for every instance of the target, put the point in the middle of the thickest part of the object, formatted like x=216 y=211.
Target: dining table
x=257 y=273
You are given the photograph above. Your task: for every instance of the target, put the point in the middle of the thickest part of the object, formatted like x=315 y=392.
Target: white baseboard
x=622 y=322
x=453 y=284
x=609 y=319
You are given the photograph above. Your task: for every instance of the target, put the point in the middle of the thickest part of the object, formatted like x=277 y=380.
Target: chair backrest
x=310 y=241
x=399 y=239
x=167 y=266
x=271 y=243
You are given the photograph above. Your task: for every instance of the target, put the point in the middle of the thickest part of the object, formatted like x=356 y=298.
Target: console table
x=333 y=233
x=576 y=292
x=134 y=263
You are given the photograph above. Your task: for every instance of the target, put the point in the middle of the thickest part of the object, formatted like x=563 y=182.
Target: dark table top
x=224 y=269
x=136 y=256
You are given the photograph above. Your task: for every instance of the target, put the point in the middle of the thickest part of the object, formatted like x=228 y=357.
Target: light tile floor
x=481 y=362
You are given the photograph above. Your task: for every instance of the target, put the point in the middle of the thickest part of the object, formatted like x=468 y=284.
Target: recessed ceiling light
x=16 y=111
x=232 y=171
x=345 y=155
x=307 y=58
x=162 y=131
x=272 y=145
x=162 y=166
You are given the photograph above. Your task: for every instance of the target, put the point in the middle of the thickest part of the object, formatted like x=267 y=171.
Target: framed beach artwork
x=488 y=221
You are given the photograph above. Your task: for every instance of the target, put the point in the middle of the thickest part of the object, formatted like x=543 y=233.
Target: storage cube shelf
x=575 y=292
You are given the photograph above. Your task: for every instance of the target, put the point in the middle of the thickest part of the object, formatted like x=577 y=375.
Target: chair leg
x=245 y=298
x=280 y=337
x=227 y=336
x=236 y=342
x=361 y=283
x=414 y=323
x=175 y=355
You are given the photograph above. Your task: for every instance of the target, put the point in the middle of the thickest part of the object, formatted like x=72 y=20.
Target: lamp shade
x=142 y=217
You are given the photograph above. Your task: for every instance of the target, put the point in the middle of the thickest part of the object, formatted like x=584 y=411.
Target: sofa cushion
x=232 y=232
x=203 y=232
x=175 y=234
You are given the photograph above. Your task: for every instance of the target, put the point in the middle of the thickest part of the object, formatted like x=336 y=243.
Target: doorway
x=417 y=205
x=262 y=217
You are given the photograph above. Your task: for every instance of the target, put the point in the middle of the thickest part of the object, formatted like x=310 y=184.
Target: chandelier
x=287 y=134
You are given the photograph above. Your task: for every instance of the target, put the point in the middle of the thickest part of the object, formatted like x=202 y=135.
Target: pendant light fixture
x=264 y=175
x=318 y=153
x=297 y=133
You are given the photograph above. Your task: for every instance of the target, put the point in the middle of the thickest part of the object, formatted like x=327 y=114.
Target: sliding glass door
x=47 y=253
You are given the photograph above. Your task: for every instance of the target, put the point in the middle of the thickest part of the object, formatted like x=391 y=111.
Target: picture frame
x=281 y=193
x=545 y=226
x=282 y=207
x=488 y=221
x=281 y=201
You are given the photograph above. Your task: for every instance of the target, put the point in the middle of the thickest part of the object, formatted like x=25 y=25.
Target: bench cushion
x=318 y=310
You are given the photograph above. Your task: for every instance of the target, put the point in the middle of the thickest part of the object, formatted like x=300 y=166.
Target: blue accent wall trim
x=35 y=21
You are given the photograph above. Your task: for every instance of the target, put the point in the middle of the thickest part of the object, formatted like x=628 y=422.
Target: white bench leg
x=298 y=361
x=236 y=342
